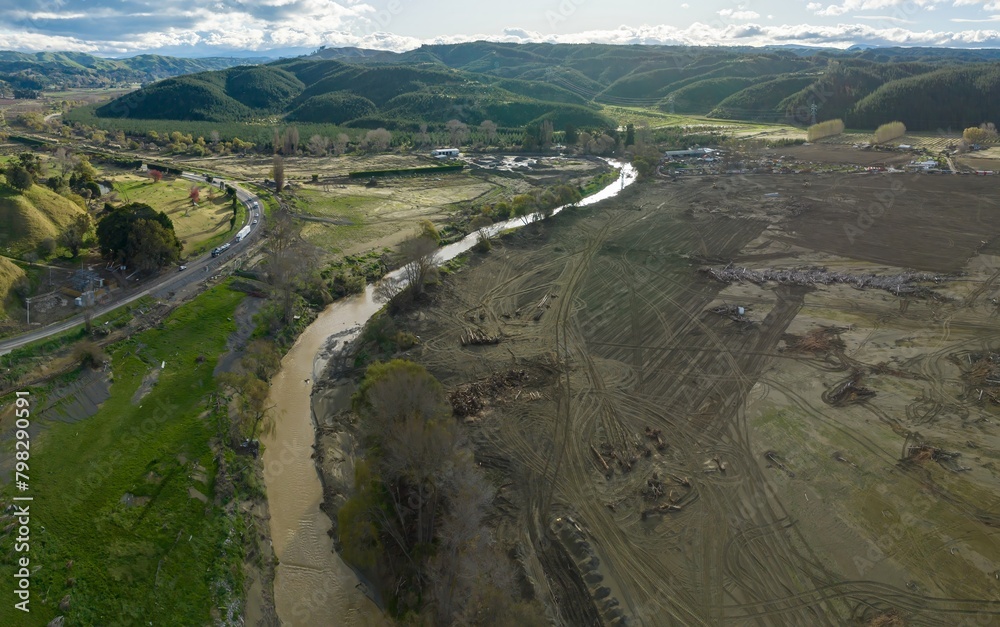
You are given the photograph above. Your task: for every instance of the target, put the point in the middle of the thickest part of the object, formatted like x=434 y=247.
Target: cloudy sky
x=275 y=27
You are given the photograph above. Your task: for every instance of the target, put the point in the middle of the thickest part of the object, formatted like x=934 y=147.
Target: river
x=313 y=586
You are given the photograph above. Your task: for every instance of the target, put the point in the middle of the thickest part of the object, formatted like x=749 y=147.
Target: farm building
x=690 y=152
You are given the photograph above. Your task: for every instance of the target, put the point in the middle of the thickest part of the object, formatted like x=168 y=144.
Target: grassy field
x=352 y=218
x=163 y=551
x=199 y=228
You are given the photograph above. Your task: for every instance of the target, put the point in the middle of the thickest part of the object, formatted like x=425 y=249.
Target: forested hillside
x=514 y=85
x=366 y=96
x=62 y=70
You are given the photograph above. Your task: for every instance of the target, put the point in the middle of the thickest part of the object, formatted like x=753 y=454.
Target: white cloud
x=685 y=6
x=263 y=25
x=739 y=15
x=988 y=5
x=884 y=18
x=902 y=8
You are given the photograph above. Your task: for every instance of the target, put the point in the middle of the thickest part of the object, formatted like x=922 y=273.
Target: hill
x=951 y=98
x=31 y=217
x=362 y=95
x=10 y=274
x=517 y=84
x=62 y=70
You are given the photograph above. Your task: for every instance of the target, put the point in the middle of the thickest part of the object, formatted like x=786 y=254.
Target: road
x=166 y=282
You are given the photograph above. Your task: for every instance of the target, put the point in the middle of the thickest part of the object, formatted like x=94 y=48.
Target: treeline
x=825 y=129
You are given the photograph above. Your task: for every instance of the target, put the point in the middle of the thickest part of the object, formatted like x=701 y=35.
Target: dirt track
x=771 y=506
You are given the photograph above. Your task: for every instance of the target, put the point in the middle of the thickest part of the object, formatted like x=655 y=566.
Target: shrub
x=89 y=354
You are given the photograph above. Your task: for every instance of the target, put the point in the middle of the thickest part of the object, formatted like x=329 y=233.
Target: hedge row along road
x=167 y=281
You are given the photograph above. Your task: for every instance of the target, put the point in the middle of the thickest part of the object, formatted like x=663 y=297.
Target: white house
x=445 y=153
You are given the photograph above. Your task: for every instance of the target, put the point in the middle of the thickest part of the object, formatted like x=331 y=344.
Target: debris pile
x=923 y=453
x=625 y=460
x=850 y=391
x=819 y=340
x=542 y=306
x=894 y=283
x=679 y=494
x=982 y=374
x=478 y=337
x=656 y=435
x=469 y=400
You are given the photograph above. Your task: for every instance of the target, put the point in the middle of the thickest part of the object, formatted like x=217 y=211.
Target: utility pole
x=812 y=111
x=27 y=307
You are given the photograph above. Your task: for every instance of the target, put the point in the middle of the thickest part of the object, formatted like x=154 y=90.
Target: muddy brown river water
x=313 y=586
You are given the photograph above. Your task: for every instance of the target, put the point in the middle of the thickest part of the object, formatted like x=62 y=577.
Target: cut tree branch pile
x=894 y=283
x=471 y=399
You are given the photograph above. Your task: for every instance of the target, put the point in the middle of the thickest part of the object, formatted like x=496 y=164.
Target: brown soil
x=677 y=468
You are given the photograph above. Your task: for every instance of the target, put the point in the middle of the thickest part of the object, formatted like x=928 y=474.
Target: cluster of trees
x=828 y=128
x=540 y=200
x=889 y=131
x=247 y=387
x=416 y=517
x=139 y=236
x=24 y=172
x=985 y=133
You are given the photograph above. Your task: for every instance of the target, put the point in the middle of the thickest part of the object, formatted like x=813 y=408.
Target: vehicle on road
x=243 y=233
x=183 y=268
x=221 y=249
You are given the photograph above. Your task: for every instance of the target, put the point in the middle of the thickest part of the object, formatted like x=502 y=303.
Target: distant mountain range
x=518 y=84
x=60 y=70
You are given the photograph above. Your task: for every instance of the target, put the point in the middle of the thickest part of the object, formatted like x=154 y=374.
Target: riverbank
x=312 y=585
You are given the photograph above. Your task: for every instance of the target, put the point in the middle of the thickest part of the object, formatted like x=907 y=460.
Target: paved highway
x=169 y=281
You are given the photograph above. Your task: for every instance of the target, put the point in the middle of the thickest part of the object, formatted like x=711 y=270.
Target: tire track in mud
x=735 y=554
x=742 y=385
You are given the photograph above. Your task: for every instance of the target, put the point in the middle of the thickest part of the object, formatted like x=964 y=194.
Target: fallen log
x=600 y=458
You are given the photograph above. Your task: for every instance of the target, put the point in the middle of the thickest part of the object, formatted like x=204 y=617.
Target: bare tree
x=291 y=141
x=457 y=131
x=318 y=145
x=489 y=129
x=278 y=172
x=418 y=254
x=340 y=144
x=378 y=139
